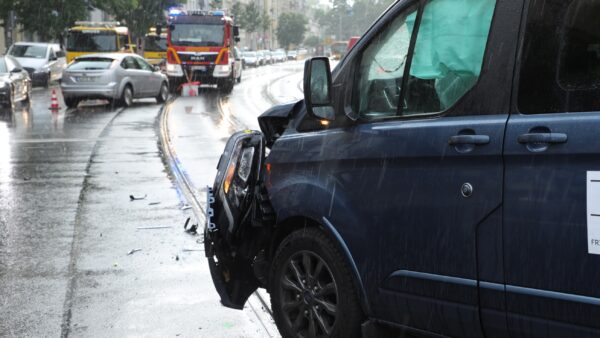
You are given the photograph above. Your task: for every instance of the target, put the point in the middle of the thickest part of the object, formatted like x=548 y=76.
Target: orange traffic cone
x=54 y=101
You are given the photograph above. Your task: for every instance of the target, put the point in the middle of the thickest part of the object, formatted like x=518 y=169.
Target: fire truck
x=201 y=49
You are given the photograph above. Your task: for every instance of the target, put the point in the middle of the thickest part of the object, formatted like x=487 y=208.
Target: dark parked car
x=444 y=180
x=15 y=84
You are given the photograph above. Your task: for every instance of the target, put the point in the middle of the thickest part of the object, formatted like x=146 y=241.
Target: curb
x=189 y=192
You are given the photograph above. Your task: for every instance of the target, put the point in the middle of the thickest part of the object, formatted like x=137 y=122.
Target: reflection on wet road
x=67 y=223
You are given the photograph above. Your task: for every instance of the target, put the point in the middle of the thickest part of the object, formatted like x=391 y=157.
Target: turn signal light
x=229 y=177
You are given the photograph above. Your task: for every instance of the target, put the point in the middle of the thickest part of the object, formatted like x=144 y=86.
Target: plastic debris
x=192 y=229
x=133 y=198
x=132 y=251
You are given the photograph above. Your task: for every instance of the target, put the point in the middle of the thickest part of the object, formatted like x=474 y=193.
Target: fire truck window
x=197 y=35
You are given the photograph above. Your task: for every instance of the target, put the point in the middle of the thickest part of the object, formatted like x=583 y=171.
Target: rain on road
x=70 y=233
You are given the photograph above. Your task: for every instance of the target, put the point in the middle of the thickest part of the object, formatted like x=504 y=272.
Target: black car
x=15 y=84
x=442 y=181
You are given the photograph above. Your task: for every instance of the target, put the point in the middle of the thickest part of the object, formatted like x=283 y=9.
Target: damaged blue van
x=443 y=180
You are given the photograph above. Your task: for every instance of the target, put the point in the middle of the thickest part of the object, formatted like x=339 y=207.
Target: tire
x=328 y=296
x=226 y=86
x=163 y=94
x=71 y=102
x=126 y=99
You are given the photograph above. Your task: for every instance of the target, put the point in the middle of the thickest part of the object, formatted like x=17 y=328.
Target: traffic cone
x=54 y=101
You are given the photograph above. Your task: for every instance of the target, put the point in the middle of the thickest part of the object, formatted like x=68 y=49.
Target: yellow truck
x=155 y=47
x=88 y=37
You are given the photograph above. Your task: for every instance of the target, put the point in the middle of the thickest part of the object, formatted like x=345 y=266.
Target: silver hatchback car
x=118 y=77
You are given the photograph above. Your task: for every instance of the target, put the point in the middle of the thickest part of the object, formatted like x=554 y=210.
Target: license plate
x=86 y=79
x=199 y=68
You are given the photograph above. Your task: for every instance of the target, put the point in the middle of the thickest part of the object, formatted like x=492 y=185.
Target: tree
x=291 y=29
x=251 y=18
x=48 y=19
x=237 y=11
x=312 y=41
x=137 y=15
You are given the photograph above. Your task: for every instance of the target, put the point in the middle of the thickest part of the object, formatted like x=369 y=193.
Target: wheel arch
x=289 y=225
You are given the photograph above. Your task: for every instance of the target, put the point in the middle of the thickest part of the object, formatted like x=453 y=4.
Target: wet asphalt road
x=67 y=222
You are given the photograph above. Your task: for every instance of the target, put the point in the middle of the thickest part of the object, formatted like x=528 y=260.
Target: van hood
x=32 y=62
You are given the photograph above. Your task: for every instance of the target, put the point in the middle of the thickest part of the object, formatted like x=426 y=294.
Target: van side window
x=560 y=68
x=382 y=67
x=448 y=54
x=446 y=62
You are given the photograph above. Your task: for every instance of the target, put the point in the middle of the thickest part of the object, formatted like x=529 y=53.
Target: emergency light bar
x=98 y=23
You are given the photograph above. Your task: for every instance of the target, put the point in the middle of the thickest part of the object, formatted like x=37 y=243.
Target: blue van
x=443 y=180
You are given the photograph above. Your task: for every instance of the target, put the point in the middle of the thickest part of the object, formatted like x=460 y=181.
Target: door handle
x=553 y=138
x=469 y=139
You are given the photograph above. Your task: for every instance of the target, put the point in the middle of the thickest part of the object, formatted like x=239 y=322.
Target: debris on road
x=133 y=198
x=132 y=251
x=193 y=228
x=157 y=227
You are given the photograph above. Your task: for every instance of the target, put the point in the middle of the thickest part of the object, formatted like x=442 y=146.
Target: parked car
x=268 y=57
x=279 y=55
x=292 y=55
x=442 y=181
x=238 y=65
x=15 y=84
x=44 y=62
x=118 y=77
x=251 y=59
x=262 y=59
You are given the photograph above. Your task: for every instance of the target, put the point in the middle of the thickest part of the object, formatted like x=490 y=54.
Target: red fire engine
x=200 y=48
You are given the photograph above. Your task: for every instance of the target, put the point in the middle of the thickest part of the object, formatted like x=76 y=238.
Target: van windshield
x=92 y=41
x=28 y=51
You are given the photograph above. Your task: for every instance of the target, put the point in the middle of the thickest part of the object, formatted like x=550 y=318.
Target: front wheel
x=226 y=86
x=312 y=291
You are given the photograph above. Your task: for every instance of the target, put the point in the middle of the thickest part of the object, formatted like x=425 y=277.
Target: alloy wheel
x=309 y=295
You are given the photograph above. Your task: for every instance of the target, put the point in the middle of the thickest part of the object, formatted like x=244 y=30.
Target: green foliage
x=291 y=28
x=344 y=20
x=138 y=15
x=251 y=18
x=48 y=19
x=312 y=41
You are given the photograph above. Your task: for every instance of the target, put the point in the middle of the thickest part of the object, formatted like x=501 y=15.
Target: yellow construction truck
x=88 y=37
x=155 y=47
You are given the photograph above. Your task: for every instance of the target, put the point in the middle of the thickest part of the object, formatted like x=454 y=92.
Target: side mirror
x=317 y=88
